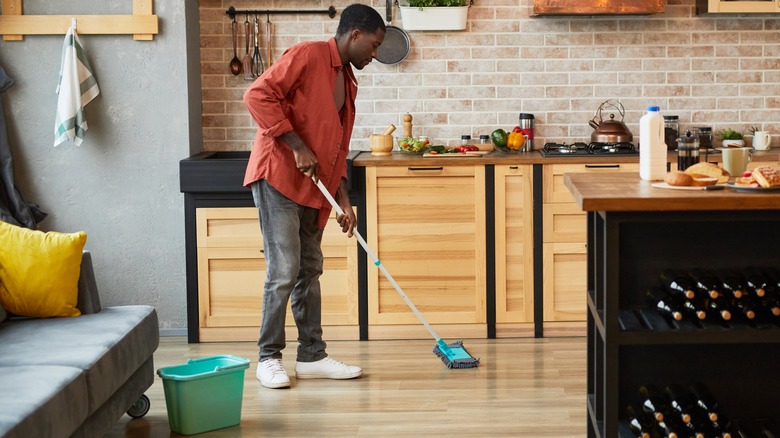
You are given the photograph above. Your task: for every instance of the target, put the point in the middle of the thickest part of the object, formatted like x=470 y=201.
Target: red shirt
x=296 y=94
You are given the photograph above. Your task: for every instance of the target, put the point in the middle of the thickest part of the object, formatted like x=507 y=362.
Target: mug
x=735 y=160
x=761 y=140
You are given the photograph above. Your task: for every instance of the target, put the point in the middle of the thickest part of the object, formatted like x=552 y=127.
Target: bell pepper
x=499 y=137
x=517 y=129
x=515 y=141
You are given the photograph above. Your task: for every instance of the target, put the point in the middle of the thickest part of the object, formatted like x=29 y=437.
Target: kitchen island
x=634 y=232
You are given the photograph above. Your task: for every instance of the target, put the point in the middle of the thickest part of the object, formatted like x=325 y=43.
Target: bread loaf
x=709 y=170
x=677 y=178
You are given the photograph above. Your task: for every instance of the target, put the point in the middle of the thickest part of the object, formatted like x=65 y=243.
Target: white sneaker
x=326 y=369
x=271 y=374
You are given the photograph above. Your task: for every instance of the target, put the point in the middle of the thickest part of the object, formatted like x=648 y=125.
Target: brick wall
x=719 y=71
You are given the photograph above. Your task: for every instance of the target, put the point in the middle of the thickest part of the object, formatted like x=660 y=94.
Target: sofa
x=75 y=376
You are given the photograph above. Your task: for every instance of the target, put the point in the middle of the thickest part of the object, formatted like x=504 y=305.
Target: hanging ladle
x=235 y=63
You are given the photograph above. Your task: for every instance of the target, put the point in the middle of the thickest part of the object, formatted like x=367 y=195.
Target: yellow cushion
x=39 y=272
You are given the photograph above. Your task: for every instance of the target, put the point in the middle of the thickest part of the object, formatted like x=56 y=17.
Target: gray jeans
x=293 y=256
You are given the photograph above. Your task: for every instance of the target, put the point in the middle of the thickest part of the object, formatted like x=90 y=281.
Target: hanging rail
x=142 y=24
x=232 y=12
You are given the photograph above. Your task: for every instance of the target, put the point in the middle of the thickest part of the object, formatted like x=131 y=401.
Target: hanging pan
x=396 y=44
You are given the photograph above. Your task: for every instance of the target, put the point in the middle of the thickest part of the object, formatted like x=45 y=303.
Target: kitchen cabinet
x=514 y=250
x=633 y=234
x=737 y=7
x=231 y=273
x=565 y=249
x=426 y=224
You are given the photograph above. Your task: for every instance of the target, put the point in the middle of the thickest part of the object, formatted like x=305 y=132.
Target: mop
x=454 y=355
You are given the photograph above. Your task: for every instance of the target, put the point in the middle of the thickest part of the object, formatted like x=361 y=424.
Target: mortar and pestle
x=382 y=144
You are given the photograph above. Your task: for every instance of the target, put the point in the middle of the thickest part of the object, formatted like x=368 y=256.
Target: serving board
x=663 y=185
x=457 y=155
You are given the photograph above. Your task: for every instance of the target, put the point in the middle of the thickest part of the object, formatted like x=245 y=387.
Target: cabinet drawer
x=565 y=270
x=564 y=222
x=554 y=191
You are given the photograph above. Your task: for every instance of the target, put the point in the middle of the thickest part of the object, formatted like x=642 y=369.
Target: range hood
x=597 y=7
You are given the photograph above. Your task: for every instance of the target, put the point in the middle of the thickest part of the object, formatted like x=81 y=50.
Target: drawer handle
x=513 y=167
x=412 y=169
x=602 y=166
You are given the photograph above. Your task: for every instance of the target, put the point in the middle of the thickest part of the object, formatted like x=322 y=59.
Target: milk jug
x=652 y=148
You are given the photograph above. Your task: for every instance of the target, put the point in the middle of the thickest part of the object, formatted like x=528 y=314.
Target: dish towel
x=76 y=88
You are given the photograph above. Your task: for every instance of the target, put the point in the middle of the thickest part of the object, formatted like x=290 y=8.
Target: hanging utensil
x=268 y=37
x=257 y=60
x=235 y=63
x=248 y=76
x=396 y=44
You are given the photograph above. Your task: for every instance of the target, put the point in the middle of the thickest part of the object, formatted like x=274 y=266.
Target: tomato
x=747 y=173
x=473 y=148
x=517 y=129
x=426 y=141
x=433 y=152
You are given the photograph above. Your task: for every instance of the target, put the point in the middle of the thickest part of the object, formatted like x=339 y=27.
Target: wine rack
x=629 y=344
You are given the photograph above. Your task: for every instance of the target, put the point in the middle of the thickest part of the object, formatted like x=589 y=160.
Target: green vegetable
x=438 y=148
x=435 y=3
x=499 y=137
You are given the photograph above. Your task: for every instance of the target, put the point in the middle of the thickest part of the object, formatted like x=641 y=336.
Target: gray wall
x=121 y=185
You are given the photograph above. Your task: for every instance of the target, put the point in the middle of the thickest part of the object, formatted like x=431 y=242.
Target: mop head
x=454 y=355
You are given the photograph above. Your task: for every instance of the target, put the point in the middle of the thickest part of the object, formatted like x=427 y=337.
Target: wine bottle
x=640 y=425
x=719 y=306
x=706 y=283
x=756 y=282
x=733 y=284
x=682 y=402
x=705 y=400
x=664 y=303
x=719 y=429
x=746 y=307
x=772 y=300
x=653 y=401
x=677 y=283
x=669 y=430
x=695 y=307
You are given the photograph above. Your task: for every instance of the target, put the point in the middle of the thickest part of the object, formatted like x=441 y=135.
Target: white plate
x=663 y=185
x=754 y=189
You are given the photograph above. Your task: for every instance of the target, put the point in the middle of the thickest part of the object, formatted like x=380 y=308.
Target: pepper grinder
x=407 y=125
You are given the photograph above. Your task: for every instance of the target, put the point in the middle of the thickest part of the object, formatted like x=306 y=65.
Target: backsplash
x=721 y=71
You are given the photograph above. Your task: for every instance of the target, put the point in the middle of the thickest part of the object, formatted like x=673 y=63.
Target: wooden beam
x=86 y=24
x=12 y=7
x=143 y=8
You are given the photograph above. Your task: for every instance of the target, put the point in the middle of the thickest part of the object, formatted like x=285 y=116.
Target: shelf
x=142 y=24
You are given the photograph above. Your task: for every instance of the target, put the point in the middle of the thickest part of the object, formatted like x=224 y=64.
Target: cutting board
x=458 y=155
x=663 y=185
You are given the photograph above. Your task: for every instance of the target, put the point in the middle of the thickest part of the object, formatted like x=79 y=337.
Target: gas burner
x=611 y=148
x=577 y=148
x=580 y=149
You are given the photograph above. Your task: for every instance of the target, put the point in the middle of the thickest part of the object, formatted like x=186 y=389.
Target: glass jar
x=465 y=140
x=671 y=131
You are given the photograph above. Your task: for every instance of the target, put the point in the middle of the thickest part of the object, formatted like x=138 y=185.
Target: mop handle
x=379 y=264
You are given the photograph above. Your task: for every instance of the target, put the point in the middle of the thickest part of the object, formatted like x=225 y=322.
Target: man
x=304 y=106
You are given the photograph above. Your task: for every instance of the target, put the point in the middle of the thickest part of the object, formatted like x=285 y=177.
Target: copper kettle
x=610 y=131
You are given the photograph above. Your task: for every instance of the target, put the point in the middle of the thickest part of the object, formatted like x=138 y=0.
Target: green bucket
x=204 y=394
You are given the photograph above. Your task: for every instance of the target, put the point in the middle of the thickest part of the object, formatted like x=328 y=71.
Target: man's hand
x=348 y=221
x=305 y=159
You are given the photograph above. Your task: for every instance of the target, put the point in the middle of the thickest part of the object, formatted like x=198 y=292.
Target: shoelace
x=274 y=366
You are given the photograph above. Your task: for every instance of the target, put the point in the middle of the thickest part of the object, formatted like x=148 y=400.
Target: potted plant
x=731 y=138
x=435 y=14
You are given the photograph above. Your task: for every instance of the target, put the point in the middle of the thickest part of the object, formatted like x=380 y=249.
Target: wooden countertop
x=625 y=191
x=365 y=159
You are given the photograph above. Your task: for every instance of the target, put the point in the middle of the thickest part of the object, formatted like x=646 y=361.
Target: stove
x=579 y=149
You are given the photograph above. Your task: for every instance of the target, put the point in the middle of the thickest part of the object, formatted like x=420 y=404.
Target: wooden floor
x=522 y=388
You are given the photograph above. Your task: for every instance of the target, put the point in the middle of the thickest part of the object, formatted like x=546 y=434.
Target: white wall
x=121 y=185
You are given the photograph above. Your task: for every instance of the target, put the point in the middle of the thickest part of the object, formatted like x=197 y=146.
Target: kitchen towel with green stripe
x=75 y=89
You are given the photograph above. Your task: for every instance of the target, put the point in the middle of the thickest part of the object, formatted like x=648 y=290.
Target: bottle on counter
x=527 y=128
x=652 y=149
